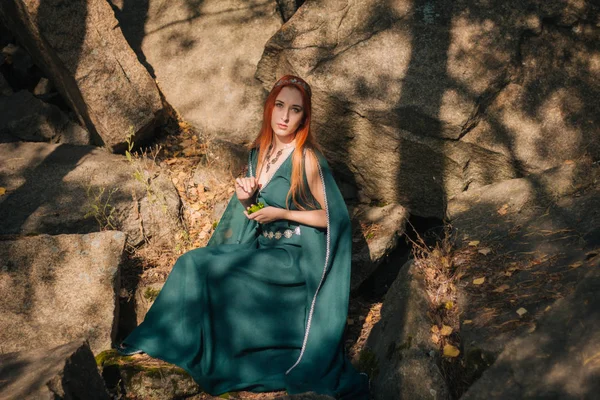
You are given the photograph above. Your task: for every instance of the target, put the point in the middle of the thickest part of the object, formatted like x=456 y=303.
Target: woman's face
x=287 y=113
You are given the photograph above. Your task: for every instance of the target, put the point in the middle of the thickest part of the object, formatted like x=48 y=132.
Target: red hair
x=304 y=138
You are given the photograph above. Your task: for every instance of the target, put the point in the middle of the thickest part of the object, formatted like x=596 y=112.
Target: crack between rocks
x=363 y=40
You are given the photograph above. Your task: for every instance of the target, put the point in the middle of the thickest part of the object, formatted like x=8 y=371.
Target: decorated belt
x=288 y=233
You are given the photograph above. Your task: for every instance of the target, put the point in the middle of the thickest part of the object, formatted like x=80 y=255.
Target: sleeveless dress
x=260 y=308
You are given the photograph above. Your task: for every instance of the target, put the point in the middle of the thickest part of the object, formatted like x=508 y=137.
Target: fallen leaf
x=473 y=242
x=569 y=162
x=451 y=351
x=435 y=338
x=435 y=329
x=521 y=311
x=508 y=273
x=485 y=251
x=532 y=328
x=576 y=265
x=2 y=191
x=501 y=288
x=448 y=305
x=478 y=281
x=503 y=210
x=547 y=308
x=467 y=322
x=446 y=330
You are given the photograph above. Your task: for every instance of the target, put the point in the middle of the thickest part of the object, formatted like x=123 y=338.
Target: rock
x=560 y=359
x=143 y=378
x=60 y=288
x=211 y=46
x=5 y=89
x=304 y=396
x=376 y=234
x=80 y=189
x=64 y=372
x=23 y=117
x=144 y=298
x=520 y=203
x=543 y=230
x=80 y=47
x=44 y=87
x=398 y=355
x=287 y=8
x=408 y=96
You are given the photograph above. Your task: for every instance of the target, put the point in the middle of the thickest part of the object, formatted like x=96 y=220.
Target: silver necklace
x=277 y=155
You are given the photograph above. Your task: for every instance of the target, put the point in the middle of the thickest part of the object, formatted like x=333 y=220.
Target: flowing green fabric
x=253 y=312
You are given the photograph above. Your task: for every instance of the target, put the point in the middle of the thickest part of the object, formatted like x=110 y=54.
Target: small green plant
x=144 y=170
x=151 y=294
x=255 y=207
x=98 y=206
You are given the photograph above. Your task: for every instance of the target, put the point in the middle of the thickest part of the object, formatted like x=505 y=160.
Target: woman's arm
x=315 y=218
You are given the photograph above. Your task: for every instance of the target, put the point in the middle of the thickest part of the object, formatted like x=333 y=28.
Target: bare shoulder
x=311 y=164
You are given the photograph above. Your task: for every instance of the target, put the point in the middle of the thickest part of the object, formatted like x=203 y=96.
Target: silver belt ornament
x=288 y=233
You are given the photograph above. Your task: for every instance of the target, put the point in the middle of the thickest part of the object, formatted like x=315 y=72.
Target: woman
x=263 y=307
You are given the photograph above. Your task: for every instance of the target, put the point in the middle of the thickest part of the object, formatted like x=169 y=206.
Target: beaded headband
x=296 y=81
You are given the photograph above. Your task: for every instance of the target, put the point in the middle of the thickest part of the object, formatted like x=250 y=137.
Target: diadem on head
x=293 y=80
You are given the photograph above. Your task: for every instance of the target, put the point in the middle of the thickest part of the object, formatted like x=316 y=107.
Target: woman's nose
x=286 y=115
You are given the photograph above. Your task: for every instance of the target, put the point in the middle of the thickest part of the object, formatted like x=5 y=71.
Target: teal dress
x=263 y=307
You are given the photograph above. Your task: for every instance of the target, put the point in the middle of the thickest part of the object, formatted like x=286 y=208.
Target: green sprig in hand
x=255 y=207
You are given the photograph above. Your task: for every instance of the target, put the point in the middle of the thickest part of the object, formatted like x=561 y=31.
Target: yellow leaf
x=446 y=330
x=576 y=265
x=478 y=281
x=2 y=191
x=435 y=329
x=521 y=311
x=448 y=305
x=501 y=289
x=435 y=338
x=467 y=322
x=485 y=251
x=451 y=351
x=473 y=242
x=503 y=210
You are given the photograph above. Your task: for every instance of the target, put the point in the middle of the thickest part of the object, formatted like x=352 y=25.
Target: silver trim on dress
x=312 y=306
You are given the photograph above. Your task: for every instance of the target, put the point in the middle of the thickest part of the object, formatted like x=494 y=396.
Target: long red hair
x=304 y=138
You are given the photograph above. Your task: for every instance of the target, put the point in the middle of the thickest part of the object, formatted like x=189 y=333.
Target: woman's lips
x=282 y=126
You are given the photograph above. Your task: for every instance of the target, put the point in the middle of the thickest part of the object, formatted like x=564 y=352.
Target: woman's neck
x=285 y=142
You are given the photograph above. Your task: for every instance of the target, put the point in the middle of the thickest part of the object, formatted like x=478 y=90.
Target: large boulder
x=377 y=230
x=64 y=372
x=79 y=189
x=80 y=47
x=538 y=240
x=24 y=117
x=416 y=102
x=141 y=377
x=399 y=355
x=59 y=288
x=559 y=360
x=204 y=55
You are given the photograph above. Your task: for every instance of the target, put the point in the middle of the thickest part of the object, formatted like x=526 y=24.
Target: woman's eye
x=278 y=105
x=296 y=110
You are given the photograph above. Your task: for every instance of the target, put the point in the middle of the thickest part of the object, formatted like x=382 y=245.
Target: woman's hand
x=245 y=188
x=267 y=214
